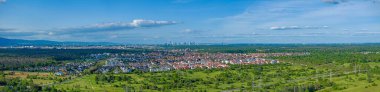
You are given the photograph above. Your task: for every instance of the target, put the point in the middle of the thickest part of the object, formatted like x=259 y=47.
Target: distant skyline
x=200 y=21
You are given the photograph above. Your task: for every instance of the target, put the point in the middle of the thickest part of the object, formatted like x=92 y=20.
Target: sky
x=199 y=21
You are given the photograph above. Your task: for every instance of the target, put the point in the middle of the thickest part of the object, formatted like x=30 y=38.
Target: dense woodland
x=16 y=62
x=14 y=59
x=62 y=54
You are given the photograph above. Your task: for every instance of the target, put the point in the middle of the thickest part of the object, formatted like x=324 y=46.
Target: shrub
x=362 y=78
x=374 y=84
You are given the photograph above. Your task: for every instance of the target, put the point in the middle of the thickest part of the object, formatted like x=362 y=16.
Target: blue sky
x=201 y=21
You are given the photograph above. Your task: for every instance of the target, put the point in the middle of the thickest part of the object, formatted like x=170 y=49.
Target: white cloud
x=192 y=31
x=50 y=33
x=116 y=26
x=187 y=30
x=149 y=23
x=296 y=27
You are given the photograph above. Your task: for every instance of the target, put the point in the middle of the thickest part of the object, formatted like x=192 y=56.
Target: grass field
x=39 y=78
x=354 y=84
x=87 y=83
x=345 y=83
x=22 y=74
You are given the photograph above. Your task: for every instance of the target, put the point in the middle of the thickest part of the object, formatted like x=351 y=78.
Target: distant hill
x=20 y=42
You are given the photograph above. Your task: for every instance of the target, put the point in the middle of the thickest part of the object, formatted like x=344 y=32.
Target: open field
x=21 y=74
x=39 y=78
x=235 y=80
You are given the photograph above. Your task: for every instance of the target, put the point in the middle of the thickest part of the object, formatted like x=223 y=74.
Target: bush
x=374 y=84
x=116 y=85
x=362 y=78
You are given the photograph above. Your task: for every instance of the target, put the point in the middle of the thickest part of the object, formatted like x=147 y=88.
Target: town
x=159 y=60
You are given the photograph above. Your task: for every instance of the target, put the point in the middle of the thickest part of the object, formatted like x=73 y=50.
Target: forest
x=14 y=59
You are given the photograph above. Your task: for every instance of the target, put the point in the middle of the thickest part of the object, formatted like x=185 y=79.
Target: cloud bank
x=3 y=1
x=8 y=32
x=117 y=26
x=5 y=29
x=333 y=1
x=344 y=1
